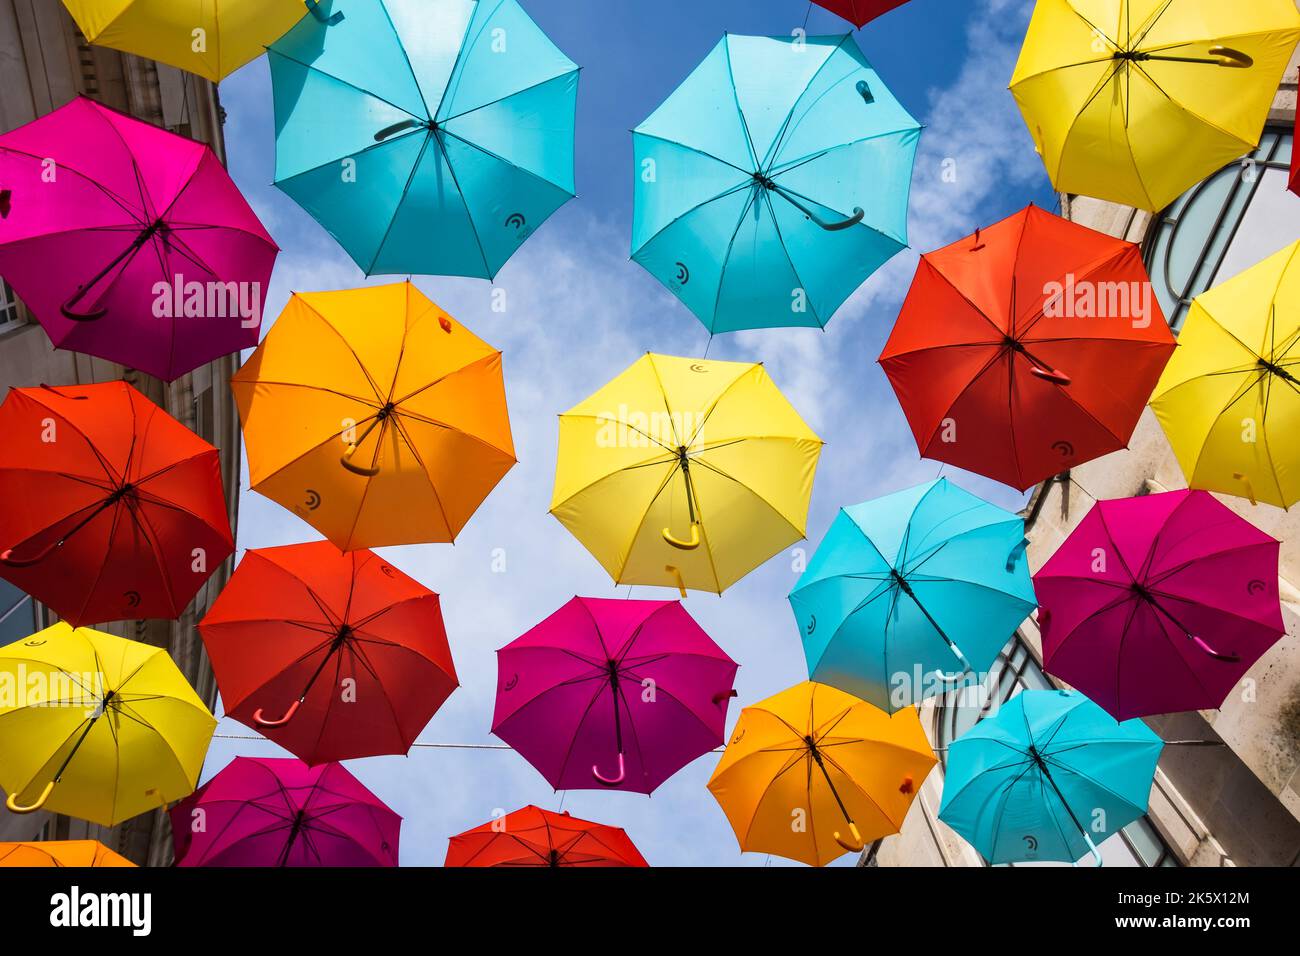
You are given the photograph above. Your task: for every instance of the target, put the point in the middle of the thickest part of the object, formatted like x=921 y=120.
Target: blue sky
x=579 y=312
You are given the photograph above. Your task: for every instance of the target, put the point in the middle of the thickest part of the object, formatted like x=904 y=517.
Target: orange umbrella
x=533 y=837
x=72 y=853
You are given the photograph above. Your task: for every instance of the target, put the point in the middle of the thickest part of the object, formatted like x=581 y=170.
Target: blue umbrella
x=906 y=589
x=773 y=182
x=426 y=136
x=1048 y=778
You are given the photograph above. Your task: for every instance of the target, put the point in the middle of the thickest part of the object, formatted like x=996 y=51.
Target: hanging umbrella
x=130 y=243
x=280 y=812
x=1048 y=778
x=860 y=12
x=426 y=136
x=101 y=728
x=1136 y=103
x=924 y=580
x=113 y=509
x=331 y=655
x=773 y=182
x=533 y=837
x=211 y=39
x=79 y=854
x=685 y=473
x=374 y=416
x=613 y=693
x=1005 y=353
x=1229 y=401
x=813 y=773
x=1159 y=604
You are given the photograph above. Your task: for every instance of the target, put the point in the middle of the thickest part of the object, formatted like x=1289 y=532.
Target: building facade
x=44 y=63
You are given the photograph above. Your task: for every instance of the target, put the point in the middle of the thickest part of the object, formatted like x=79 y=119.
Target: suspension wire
x=428 y=745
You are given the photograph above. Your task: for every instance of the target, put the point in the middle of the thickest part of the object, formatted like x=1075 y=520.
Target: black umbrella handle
x=857 y=217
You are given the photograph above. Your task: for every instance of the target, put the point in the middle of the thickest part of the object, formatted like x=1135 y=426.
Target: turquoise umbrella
x=1048 y=778
x=426 y=136
x=773 y=182
x=911 y=592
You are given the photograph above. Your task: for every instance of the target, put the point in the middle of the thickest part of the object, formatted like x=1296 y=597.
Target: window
x=1138 y=844
x=17 y=614
x=11 y=311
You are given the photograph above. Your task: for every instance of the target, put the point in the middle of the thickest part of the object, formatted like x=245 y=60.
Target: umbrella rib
x=400 y=429
x=374 y=386
x=501 y=99
x=722 y=474
x=735 y=99
x=436 y=136
x=801 y=161
x=415 y=80
x=726 y=260
x=785 y=250
x=501 y=159
x=778 y=142
x=338 y=79
x=137 y=215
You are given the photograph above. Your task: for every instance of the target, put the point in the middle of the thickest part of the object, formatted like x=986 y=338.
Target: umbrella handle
x=6 y=195
x=681 y=582
x=1017 y=553
x=261 y=720
x=13 y=806
x=346 y=462
x=1250 y=489
x=314 y=7
x=1217 y=655
x=724 y=696
x=611 y=781
x=678 y=543
x=1227 y=56
x=8 y=560
x=388 y=131
x=1096 y=854
x=89 y=316
x=856 y=844
x=1051 y=375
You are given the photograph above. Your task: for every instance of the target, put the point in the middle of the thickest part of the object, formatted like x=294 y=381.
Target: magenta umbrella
x=128 y=242
x=613 y=693
x=1159 y=604
x=280 y=812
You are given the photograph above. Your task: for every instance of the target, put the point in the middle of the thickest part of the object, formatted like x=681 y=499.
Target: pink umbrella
x=129 y=242
x=1159 y=604
x=613 y=693
x=280 y=812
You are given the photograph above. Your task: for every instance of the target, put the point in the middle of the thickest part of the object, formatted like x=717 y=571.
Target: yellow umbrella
x=1135 y=101
x=212 y=38
x=60 y=853
x=685 y=473
x=96 y=726
x=813 y=773
x=1229 y=400
x=374 y=416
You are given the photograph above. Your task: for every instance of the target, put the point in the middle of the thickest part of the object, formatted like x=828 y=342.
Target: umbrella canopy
x=860 y=12
x=375 y=417
x=1159 y=604
x=426 y=136
x=533 y=837
x=79 y=854
x=685 y=473
x=1229 y=401
x=113 y=509
x=813 y=773
x=211 y=39
x=280 y=812
x=1005 y=352
x=613 y=693
x=130 y=243
x=1135 y=102
x=331 y=655
x=924 y=580
x=97 y=727
x=773 y=182
x=1048 y=778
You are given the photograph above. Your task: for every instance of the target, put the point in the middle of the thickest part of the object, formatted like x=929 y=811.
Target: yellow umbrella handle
x=681 y=582
x=1250 y=489
x=856 y=844
x=1227 y=56
x=13 y=806
x=681 y=545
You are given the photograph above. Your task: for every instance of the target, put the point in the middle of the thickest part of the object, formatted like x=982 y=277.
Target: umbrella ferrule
x=1274 y=369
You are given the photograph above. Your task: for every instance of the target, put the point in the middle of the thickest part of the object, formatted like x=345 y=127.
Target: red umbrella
x=331 y=655
x=1027 y=348
x=860 y=12
x=110 y=509
x=533 y=837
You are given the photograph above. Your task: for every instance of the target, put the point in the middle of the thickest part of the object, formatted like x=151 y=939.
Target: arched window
x=17 y=614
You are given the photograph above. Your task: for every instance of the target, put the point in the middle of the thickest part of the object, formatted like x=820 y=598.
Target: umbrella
x=79 y=854
x=113 y=509
x=331 y=655
x=1230 y=399
x=374 y=416
x=280 y=812
x=860 y=12
x=1005 y=352
x=773 y=182
x=1159 y=604
x=99 y=727
x=426 y=136
x=686 y=473
x=924 y=580
x=813 y=773
x=1045 y=776
x=130 y=243
x=533 y=837
x=613 y=693
x=1137 y=102
x=211 y=39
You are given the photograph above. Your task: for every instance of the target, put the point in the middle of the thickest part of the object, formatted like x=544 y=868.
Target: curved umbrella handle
x=1017 y=554
x=6 y=195
x=1217 y=655
x=314 y=7
x=388 y=131
x=1051 y=375
x=261 y=720
x=1227 y=56
x=91 y=315
x=1250 y=489
x=346 y=462
x=611 y=781
x=13 y=806
x=724 y=696
x=849 y=223
x=854 y=845
x=8 y=560
x=1096 y=854
x=681 y=582
x=679 y=544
